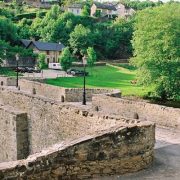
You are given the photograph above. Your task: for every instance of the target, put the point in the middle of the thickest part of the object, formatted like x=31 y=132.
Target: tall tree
x=66 y=59
x=91 y=56
x=156 y=49
x=80 y=39
x=8 y=31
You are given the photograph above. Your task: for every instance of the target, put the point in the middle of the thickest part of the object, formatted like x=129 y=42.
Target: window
x=47 y=52
x=77 y=11
x=54 y=60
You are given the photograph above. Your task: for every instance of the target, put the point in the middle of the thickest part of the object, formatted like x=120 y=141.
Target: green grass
x=126 y=65
x=7 y=72
x=104 y=77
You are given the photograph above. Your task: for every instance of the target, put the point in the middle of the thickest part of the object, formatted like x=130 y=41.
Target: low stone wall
x=13 y=134
x=7 y=81
x=76 y=94
x=115 y=151
x=49 y=91
x=63 y=94
x=162 y=115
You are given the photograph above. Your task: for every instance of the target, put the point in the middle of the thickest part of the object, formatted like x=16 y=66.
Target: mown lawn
x=7 y=72
x=104 y=77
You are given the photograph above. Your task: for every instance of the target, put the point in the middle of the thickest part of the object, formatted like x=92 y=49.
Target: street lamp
x=17 y=65
x=84 y=61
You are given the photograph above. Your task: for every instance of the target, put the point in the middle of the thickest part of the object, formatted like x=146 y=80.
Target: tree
x=41 y=61
x=91 y=56
x=85 y=11
x=156 y=49
x=66 y=59
x=80 y=39
x=8 y=31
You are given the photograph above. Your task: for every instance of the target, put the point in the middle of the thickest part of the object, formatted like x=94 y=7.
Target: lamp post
x=84 y=61
x=17 y=65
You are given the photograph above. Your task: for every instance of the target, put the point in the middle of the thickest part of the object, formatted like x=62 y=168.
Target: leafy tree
x=91 y=56
x=8 y=31
x=80 y=39
x=140 y=5
x=24 y=29
x=41 y=61
x=156 y=49
x=85 y=11
x=66 y=59
x=63 y=27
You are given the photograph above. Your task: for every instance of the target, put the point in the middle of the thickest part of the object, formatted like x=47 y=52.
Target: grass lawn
x=104 y=77
x=7 y=72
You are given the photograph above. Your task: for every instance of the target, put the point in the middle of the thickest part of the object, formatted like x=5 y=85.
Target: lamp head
x=84 y=60
x=17 y=57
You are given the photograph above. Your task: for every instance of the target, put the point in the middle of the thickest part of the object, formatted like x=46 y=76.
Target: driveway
x=48 y=73
x=166 y=164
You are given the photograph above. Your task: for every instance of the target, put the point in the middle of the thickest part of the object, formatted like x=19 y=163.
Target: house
x=123 y=10
x=111 y=9
x=102 y=10
x=51 y=50
x=75 y=9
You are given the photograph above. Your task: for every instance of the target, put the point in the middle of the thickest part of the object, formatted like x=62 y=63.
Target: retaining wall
x=117 y=150
x=162 y=115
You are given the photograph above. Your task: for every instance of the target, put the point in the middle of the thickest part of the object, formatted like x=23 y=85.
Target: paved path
x=166 y=165
x=48 y=73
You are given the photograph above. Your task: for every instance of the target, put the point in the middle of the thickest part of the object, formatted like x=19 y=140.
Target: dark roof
x=44 y=46
x=25 y=42
x=105 y=6
x=75 y=6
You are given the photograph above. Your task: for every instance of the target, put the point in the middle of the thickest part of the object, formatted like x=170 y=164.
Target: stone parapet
x=117 y=150
x=161 y=115
x=7 y=81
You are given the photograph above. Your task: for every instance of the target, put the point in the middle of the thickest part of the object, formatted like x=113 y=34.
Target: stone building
x=123 y=10
x=102 y=10
x=76 y=9
x=111 y=9
x=51 y=50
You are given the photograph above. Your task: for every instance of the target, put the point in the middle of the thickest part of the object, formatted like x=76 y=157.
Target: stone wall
x=13 y=134
x=50 y=122
x=7 y=81
x=49 y=91
x=117 y=150
x=69 y=94
x=162 y=115
x=76 y=94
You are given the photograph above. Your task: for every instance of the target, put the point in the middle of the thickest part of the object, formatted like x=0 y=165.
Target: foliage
x=24 y=29
x=8 y=51
x=156 y=49
x=139 y=5
x=91 y=56
x=8 y=31
x=66 y=59
x=30 y=15
x=80 y=39
x=41 y=61
x=85 y=11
